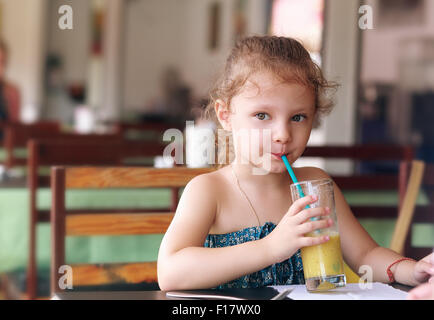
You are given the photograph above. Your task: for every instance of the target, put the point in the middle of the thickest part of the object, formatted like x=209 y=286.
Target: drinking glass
x=322 y=264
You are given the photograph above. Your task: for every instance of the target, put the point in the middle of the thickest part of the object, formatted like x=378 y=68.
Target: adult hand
x=424 y=268
x=422 y=292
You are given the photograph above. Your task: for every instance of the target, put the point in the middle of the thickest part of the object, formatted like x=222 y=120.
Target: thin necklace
x=245 y=196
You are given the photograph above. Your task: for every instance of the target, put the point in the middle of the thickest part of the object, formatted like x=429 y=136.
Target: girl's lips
x=279 y=155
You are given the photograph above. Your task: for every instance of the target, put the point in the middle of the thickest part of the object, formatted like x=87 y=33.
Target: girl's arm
x=183 y=262
x=380 y=258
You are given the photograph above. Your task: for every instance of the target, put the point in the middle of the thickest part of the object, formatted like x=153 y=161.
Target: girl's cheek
x=265 y=141
x=253 y=142
x=261 y=148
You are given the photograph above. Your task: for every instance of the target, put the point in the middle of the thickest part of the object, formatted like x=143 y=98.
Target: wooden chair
x=150 y=131
x=73 y=150
x=373 y=182
x=16 y=136
x=65 y=223
x=421 y=178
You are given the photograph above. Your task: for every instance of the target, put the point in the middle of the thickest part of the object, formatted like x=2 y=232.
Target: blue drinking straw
x=295 y=181
x=293 y=177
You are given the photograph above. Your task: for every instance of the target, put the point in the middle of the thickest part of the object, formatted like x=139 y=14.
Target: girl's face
x=271 y=118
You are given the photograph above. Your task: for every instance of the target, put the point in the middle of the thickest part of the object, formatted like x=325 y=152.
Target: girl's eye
x=298 y=118
x=262 y=116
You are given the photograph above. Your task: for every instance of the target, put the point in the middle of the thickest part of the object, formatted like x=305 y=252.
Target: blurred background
x=133 y=60
x=93 y=64
x=123 y=59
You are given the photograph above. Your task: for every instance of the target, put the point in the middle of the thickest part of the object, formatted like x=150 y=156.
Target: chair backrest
x=365 y=181
x=152 y=131
x=73 y=150
x=64 y=223
x=423 y=214
x=407 y=211
x=16 y=135
x=80 y=150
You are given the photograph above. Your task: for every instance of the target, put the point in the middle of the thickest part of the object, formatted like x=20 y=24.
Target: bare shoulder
x=195 y=213
x=198 y=196
x=207 y=185
x=310 y=173
x=198 y=204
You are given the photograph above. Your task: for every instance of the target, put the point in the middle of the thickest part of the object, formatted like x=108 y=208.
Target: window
x=302 y=20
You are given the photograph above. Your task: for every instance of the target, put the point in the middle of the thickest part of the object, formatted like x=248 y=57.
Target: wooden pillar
x=113 y=59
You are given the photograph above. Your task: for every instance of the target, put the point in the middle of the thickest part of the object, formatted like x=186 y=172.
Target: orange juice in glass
x=322 y=264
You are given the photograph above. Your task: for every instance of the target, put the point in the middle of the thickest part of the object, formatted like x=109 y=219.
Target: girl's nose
x=282 y=134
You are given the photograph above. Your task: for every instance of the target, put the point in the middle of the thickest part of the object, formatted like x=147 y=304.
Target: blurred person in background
x=174 y=102
x=9 y=94
x=9 y=98
x=59 y=104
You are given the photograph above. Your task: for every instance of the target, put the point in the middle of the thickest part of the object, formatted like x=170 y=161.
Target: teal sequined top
x=284 y=273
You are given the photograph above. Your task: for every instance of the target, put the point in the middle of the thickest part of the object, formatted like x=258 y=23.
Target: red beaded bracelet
x=389 y=272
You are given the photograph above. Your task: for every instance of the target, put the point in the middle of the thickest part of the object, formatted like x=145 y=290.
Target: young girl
x=234 y=228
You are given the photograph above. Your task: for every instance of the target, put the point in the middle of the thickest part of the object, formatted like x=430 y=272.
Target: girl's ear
x=223 y=114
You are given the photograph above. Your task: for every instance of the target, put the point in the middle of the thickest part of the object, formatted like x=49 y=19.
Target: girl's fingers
x=313 y=241
x=301 y=203
x=308 y=214
x=315 y=225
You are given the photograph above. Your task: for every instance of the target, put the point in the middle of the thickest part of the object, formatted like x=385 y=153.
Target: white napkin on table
x=352 y=291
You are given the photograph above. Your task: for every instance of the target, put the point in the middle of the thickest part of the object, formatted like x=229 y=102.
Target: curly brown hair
x=286 y=58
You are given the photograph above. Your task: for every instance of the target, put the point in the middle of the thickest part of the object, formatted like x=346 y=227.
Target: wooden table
x=112 y=295
x=155 y=295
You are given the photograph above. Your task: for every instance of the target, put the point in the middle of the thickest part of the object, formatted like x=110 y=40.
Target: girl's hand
x=424 y=268
x=288 y=236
